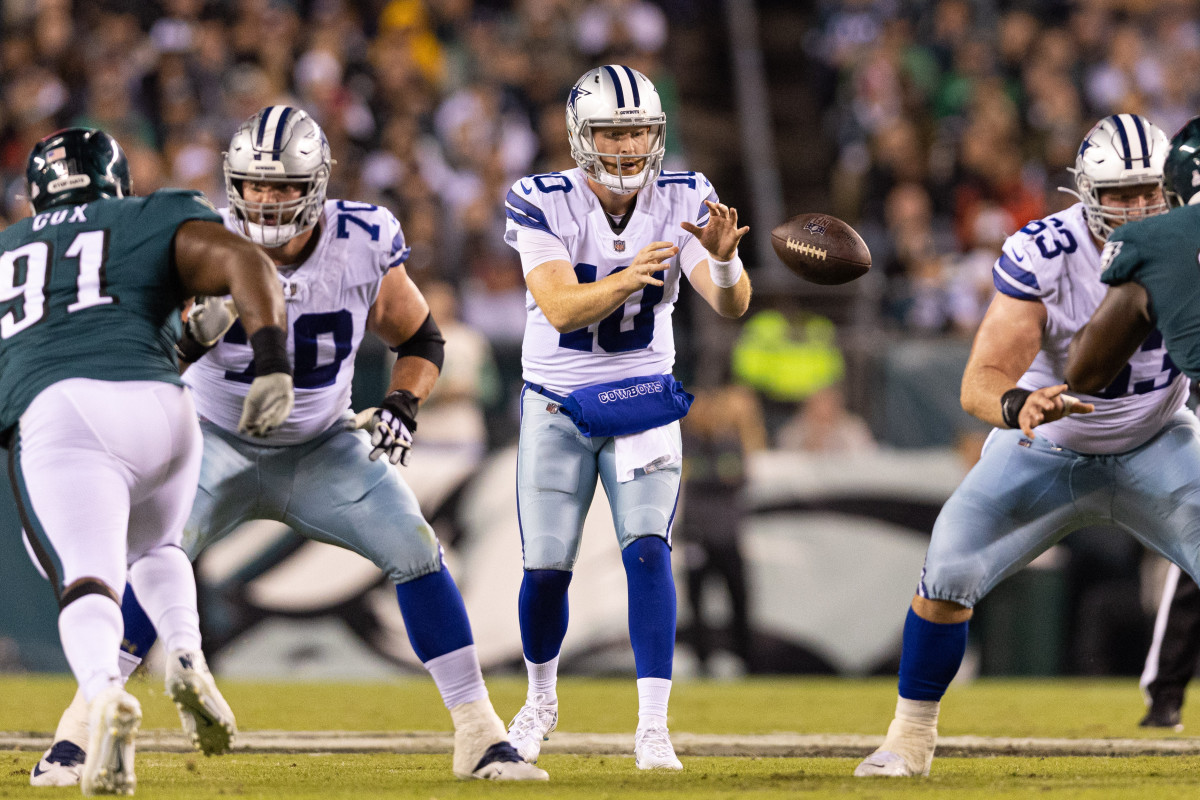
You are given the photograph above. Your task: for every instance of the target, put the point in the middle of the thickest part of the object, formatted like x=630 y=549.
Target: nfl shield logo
x=619 y=245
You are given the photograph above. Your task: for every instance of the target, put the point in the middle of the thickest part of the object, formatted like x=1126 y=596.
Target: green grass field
x=1045 y=709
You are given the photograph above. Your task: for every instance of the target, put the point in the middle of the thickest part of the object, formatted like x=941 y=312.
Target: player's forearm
x=982 y=389
x=414 y=374
x=732 y=302
x=574 y=306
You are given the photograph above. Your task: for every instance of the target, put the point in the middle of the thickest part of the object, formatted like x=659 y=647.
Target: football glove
x=392 y=427
x=267 y=404
x=210 y=318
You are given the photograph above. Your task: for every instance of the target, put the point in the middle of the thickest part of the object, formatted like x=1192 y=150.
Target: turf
x=1054 y=708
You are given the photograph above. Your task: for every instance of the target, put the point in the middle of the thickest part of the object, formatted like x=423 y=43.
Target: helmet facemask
x=278 y=145
x=616 y=97
x=1121 y=150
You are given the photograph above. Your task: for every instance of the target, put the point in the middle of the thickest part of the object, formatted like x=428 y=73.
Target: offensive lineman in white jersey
x=603 y=248
x=1133 y=461
x=341 y=266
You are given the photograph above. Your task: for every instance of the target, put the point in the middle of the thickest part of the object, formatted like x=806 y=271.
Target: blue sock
x=434 y=615
x=931 y=656
x=139 y=631
x=543 y=611
x=651 y=606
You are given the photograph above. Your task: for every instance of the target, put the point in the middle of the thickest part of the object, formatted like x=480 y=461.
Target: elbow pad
x=427 y=343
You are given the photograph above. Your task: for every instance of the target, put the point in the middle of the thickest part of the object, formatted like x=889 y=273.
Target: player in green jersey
x=104 y=445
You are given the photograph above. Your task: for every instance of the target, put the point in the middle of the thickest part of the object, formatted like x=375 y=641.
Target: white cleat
x=480 y=749
x=533 y=725
x=886 y=764
x=61 y=765
x=114 y=720
x=206 y=717
x=652 y=749
x=906 y=752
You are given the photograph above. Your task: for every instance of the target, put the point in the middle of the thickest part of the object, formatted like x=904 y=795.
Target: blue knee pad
x=434 y=615
x=140 y=635
x=651 y=605
x=930 y=657
x=542 y=609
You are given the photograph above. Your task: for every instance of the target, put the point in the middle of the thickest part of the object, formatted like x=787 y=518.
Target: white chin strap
x=271 y=235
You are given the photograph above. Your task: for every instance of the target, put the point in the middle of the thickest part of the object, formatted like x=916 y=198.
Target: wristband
x=403 y=404
x=725 y=273
x=189 y=349
x=1011 y=403
x=270 y=350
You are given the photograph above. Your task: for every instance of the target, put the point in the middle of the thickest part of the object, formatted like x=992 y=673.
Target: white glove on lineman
x=390 y=435
x=267 y=404
x=210 y=318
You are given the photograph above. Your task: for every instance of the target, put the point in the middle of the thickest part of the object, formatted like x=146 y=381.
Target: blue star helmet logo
x=1086 y=144
x=576 y=93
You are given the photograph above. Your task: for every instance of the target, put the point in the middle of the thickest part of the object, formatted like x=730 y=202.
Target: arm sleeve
x=537 y=247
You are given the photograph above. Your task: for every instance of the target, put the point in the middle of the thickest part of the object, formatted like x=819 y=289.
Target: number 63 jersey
x=328 y=299
x=557 y=216
x=1054 y=261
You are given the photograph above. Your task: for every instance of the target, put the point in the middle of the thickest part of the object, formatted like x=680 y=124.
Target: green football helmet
x=74 y=166
x=1181 y=173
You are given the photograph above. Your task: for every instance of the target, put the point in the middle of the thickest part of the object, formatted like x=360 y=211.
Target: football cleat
x=206 y=717
x=1160 y=716
x=480 y=749
x=907 y=751
x=114 y=720
x=652 y=749
x=533 y=725
x=61 y=765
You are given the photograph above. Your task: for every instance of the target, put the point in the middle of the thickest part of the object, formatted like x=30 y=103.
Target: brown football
x=821 y=249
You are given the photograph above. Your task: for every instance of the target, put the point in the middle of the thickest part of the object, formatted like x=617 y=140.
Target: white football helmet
x=285 y=145
x=1119 y=150
x=615 y=96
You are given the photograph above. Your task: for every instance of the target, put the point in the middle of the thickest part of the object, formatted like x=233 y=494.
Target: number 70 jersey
x=557 y=216
x=328 y=299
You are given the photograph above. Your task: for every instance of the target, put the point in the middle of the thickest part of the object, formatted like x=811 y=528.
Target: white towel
x=649 y=450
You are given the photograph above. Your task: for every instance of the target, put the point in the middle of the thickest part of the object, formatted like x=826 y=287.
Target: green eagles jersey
x=1162 y=253
x=91 y=291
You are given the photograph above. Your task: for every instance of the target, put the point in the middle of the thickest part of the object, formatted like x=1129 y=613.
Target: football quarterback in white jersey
x=1131 y=458
x=604 y=248
x=341 y=266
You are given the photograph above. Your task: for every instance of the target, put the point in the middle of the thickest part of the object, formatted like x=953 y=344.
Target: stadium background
x=936 y=128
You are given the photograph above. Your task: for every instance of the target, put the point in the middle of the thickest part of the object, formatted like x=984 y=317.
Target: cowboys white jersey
x=557 y=214
x=328 y=299
x=1055 y=261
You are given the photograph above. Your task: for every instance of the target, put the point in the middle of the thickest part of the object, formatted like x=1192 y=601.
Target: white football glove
x=210 y=318
x=267 y=404
x=390 y=435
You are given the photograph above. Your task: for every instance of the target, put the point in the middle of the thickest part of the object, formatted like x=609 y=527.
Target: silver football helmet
x=615 y=96
x=1119 y=150
x=284 y=145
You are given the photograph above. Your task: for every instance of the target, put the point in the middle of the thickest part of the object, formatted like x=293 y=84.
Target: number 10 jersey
x=556 y=216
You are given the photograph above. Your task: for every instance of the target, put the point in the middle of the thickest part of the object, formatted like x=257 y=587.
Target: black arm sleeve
x=427 y=343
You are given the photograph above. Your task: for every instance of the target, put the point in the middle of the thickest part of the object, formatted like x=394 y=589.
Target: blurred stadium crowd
x=955 y=122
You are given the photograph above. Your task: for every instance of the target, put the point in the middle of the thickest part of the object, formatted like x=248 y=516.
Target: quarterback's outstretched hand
x=1049 y=404
x=721 y=235
x=210 y=318
x=392 y=426
x=267 y=404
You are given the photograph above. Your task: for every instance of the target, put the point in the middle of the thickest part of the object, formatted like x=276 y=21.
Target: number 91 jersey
x=328 y=299
x=1054 y=261
x=557 y=216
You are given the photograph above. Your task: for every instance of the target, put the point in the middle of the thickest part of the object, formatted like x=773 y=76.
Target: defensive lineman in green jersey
x=104 y=444
x=92 y=292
